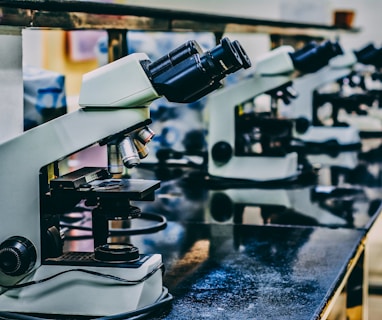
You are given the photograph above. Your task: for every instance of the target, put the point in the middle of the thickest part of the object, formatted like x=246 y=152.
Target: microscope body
x=36 y=275
x=222 y=107
x=303 y=107
x=252 y=146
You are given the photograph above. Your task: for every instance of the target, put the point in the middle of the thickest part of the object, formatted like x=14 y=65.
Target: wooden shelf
x=71 y=15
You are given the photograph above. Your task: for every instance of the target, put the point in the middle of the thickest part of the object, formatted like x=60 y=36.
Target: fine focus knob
x=17 y=256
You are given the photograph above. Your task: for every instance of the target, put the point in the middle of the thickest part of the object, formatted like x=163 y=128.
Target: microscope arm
x=221 y=104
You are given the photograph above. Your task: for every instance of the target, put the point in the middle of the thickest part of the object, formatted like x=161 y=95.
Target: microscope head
x=314 y=56
x=369 y=55
x=183 y=75
x=309 y=59
x=187 y=73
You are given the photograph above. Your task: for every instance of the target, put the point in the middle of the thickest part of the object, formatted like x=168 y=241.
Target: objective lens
x=129 y=154
x=145 y=135
x=114 y=160
x=142 y=149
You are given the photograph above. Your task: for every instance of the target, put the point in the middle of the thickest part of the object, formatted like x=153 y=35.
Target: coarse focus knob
x=302 y=125
x=17 y=256
x=222 y=152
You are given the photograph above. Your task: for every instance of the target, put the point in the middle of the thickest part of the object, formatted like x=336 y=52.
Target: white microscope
x=246 y=145
x=36 y=276
x=364 y=86
x=330 y=132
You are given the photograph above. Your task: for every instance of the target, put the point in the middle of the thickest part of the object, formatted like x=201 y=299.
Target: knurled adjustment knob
x=222 y=152
x=116 y=252
x=302 y=125
x=17 y=256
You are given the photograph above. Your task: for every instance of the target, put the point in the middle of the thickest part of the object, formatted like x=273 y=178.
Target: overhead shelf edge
x=100 y=15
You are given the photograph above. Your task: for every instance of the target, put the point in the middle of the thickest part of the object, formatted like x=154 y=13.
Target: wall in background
x=49 y=49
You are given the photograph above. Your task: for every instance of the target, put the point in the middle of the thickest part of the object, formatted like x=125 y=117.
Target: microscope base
x=78 y=293
x=344 y=136
x=257 y=168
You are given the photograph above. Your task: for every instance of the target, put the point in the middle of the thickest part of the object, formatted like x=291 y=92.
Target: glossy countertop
x=237 y=251
x=251 y=272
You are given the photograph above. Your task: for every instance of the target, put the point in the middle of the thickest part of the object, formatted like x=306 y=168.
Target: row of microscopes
x=320 y=102
x=113 y=278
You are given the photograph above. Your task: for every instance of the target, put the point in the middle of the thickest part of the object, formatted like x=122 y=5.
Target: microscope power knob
x=17 y=256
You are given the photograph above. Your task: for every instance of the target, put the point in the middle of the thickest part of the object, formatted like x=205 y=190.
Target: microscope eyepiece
x=227 y=57
x=187 y=74
x=369 y=55
x=365 y=53
x=300 y=52
x=174 y=57
x=242 y=54
x=314 y=57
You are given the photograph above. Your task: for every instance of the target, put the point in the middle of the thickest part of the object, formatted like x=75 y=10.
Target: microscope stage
x=134 y=189
x=96 y=182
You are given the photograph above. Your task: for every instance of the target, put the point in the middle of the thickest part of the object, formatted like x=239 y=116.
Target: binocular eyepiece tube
x=314 y=56
x=369 y=55
x=187 y=73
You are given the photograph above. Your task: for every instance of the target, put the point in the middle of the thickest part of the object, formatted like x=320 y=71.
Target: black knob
x=17 y=256
x=221 y=207
x=302 y=125
x=221 y=152
x=116 y=252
